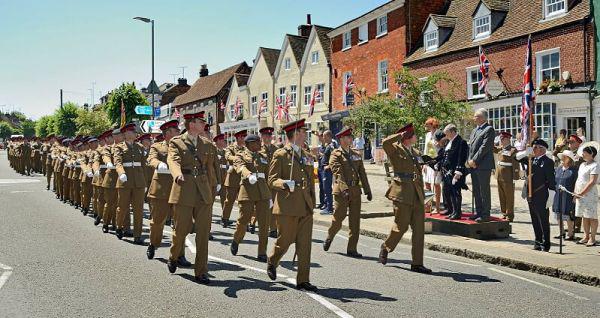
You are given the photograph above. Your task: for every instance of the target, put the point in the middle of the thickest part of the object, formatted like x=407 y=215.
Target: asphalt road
x=55 y=263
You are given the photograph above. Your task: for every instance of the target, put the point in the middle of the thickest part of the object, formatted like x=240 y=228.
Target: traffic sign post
x=151 y=126
x=143 y=110
x=156 y=112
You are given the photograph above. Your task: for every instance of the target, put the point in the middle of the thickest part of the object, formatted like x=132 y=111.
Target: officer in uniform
x=131 y=185
x=26 y=157
x=145 y=141
x=407 y=194
x=291 y=176
x=160 y=187
x=190 y=157
x=47 y=151
x=254 y=196
x=99 y=169
x=268 y=149
x=507 y=170
x=349 y=172
x=109 y=182
x=543 y=187
x=220 y=143
x=67 y=171
x=232 y=181
x=36 y=155
x=59 y=168
x=87 y=175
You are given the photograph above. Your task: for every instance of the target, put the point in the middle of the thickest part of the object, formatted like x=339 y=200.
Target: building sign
x=565 y=110
x=234 y=126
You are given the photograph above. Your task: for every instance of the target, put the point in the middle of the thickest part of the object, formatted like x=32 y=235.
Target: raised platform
x=494 y=229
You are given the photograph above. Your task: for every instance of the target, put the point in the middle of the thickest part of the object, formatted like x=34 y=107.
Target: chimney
x=304 y=29
x=203 y=70
x=182 y=81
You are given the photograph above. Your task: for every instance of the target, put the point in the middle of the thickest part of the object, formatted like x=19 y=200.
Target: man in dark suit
x=543 y=186
x=481 y=162
x=453 y=171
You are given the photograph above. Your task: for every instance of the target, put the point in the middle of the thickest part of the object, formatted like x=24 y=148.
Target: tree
x=5 y=130
x=131 y=97
x=28 y=128
x=51 y=126
x=418 y=100
x=92 y=122
x=41 y=126
x=65 y=119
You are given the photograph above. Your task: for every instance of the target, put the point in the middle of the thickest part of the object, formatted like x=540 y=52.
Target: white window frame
x=282 y=95
x=347 y=40
x=307 y=95
x=253 y=106
x=265 y=96
x=538 y=63
x=551 y=3
x=382 y=22
x=383 y=80
x=363 y=33
x=478 y=34
x=232 y=111
x=426 y=41
x=314 y=57
x=293 y=94
x=344 y=80
x=321 y=89
x=287 y=64
x=470 y=93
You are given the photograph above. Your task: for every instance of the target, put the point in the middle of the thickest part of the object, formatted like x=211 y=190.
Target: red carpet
x=464 y=219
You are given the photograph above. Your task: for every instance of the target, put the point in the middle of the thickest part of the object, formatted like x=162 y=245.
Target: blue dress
x=563 y=201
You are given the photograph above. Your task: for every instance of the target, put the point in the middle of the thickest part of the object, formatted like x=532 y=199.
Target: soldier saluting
x=407 y=194
x=291 y=175
x=349 y=172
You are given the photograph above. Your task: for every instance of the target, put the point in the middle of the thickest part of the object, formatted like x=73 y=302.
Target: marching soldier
x=75 y=173
x=128 y=157
x=232 y=181
x=254 y=197
x=66 y=172
x=25 y=152
x=99 y=169
x=291 y=176
x=87 y=174
x=160 y=187
x=36 y=155
x=59 y=167
x=407 y=194
x=220 y=143
x=190 y=157
x=146 y=141
x=507 y=171
x=268 y=149
x=47 y=152
x=349 y=172
x=109 y=182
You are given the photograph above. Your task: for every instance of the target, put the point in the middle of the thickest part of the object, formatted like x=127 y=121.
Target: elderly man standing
x=481 y=162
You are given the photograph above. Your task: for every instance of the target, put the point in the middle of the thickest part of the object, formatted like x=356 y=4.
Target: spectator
x=321 y=150
x=586 y=202
x=430 y=177
x=565 y=176
x=560 y=144
x=327 y=174
x=581 y=134
x=481 y=162
x=453 y=171
x=359 y=144
x=520 y=144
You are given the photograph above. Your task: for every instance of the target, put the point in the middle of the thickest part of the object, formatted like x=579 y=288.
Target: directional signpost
x=157 y=112
x=152 y=126
x=143 y=110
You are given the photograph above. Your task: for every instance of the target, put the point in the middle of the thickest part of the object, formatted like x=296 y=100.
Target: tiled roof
x=324 y=39
x=271 y=56
x=208 y=86
x=497 y=5
x=443 y=21
x=523 y=18
x=297 y=44
x=241 y=79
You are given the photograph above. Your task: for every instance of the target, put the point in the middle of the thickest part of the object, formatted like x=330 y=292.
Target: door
x=575 y=122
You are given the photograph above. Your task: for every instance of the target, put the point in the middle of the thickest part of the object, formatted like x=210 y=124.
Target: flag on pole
x=348 y=86
x=237 y=108
x=316 y=94
x=484 y=69
x=222 y=106
x=528 y=99
x=123 y=117
x=176 y=114
x=262 y=105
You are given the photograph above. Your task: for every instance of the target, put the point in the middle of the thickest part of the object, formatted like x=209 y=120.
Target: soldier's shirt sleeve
x=388 y=143
x=118 y=157
x=364 y=180
x=335 y=164
x=230 y=155
x=152 y=159
x=95 y=161
x=107 y=155
x=239 y=164
x=216 y=164
x=276 y=172
x=174 y=160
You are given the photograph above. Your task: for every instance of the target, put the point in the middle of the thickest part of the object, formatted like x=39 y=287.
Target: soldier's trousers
x=58 y=183
x=506 y=194
x=405 y=215
x=133 y=197
x=185 y=217
x=86 y=193
x=66 y=188
x=230 y=197
x=263 y=215
x=294 y=229
x=110 y=206
x=346 y=205
x=160 y=210
x=49 y=172
x=76 y=191
x=98 y=200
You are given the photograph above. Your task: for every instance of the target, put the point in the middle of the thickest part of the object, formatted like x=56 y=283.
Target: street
x=55 y=262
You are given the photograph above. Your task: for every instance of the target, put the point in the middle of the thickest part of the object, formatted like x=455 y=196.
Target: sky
x=76 y=45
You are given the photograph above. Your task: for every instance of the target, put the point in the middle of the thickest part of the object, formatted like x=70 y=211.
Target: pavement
x=574 y=264
x=55 y=263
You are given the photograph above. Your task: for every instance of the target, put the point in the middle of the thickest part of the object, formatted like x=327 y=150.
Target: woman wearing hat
x=565 y=176
x=587 y=195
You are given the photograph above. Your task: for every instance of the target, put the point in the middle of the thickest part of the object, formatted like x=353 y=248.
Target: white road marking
x=21 y=191
x=568 y=293
x=7 y=271
x=452 y=261
x=335 y=309
x=14 y=181
x=340 y=236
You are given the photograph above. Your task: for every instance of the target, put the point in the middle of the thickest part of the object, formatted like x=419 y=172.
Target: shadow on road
x=348 y=295
x=232 y=287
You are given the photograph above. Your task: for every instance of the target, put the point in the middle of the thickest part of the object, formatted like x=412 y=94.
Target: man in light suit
x=481 y=162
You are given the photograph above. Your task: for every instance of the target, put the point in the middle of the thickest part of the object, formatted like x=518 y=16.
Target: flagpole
x=531 y=123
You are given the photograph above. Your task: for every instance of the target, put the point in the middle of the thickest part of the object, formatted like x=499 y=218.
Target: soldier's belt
x=352 y=183
x=164 y=171
x=301 y=184
x=405 y=175
x=259 y=174
x=224 y=166
x=194 y=172
x=505 y=164
x=132 y=164
x=103 y=167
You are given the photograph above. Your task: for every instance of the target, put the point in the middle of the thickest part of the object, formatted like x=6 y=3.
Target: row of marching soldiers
x=182 y=172
x=25 y=155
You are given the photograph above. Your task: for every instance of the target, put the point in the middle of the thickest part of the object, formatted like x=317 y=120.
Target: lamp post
x=152 y=83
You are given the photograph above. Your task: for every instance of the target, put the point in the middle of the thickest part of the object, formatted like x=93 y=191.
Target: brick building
x=370 y=48
x=563 y=55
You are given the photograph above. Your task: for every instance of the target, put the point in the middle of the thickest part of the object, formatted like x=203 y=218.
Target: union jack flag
x=349 y=85
x=484 y=68
x=528 y=100
x=238 y=107
x=316 y=94
x=222 y=105
x=261 y=106
x=176 y=114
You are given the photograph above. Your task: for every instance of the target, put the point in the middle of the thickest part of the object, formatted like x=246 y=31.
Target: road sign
x=152 y=126
x=157 y=112
x=143 y=110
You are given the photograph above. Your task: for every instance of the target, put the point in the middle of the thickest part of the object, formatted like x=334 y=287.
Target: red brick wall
x=417 y=13
x=510 y=56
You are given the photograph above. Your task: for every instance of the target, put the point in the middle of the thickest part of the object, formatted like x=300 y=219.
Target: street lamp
x=152 y=85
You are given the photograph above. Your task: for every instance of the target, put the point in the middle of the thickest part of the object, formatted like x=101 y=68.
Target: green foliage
x=18 y=115
x=419 y=100
x=131 y=97
x=92 y=122
x=41 y=126
x=65 y=119
x=28 y=128
x=5 y=130
x=51 y=126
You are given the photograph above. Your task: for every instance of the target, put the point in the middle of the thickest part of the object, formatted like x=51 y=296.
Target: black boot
x=326 y=245
x=234 y=247
x=119 y=234
x=97 y=221
x=150 y=251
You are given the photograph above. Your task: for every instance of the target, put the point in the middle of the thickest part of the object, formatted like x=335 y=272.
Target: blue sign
x=143 y=110
x=157 y=112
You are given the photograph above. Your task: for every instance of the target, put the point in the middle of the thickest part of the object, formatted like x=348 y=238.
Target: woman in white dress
x=586 y=193
x=430 y=176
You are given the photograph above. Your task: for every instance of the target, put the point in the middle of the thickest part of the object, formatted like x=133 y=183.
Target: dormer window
x=481 y=27
x=431 y=41
x=554 y=8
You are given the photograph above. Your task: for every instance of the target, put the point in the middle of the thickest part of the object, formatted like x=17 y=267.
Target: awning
x=336 y=116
